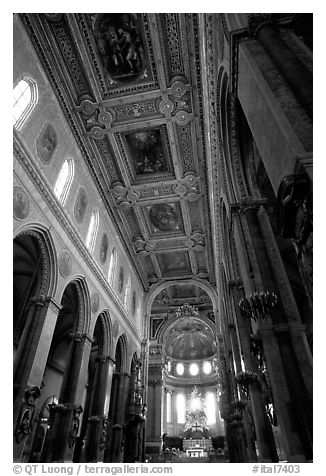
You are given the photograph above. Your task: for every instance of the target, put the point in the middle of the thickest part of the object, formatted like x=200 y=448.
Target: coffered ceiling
x=130 y=87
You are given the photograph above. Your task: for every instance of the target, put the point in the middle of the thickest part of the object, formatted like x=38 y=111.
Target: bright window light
x=207 y=367
x=180 y=369
x=193 y=369
x=92 y=231
x=64 y=180
x=168 y=407
x=24 y=101
x=210 y=408
x=195 y=404
x=181 y=408
x=112 y=265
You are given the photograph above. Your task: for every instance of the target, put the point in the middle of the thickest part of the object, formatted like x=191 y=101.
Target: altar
x=196 y=448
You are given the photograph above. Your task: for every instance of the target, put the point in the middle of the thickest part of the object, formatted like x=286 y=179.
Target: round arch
x=122 y=342
x=149 y=299
x=104 y=321
x=84 y=303
x=49 y=280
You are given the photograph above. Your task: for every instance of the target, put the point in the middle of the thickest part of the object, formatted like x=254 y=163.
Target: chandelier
x=186 y=310
x=259 y=306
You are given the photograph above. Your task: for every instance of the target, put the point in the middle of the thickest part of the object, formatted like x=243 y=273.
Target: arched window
x=92 y=231
x=112 y=265
x=126 y=298
x=24 y=100
x=207 y=367
x=193 y=369
x=181 y=408
x=168 y=407
x=210 y=408
x=64 y=180
x=180 y=368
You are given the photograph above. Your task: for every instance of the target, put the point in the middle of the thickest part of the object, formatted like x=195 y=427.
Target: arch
x=84 y=304
x=223 y=138
x=92 y=231
x=122 y=347
x=48 y=254
x=105 y=322
x=156 y=289
x=25 y=97
x=64 y=180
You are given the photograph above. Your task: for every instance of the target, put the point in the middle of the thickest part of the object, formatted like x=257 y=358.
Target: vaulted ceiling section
x=130 y=87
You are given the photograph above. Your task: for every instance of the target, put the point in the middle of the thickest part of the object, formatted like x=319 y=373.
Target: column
x=154 y=420
x=266 y=446
x=294 y=71
x=296 y=329
x=293 y=378
x=282 y=400
x=119 y=422
x=249 y=455
x=97 y=421
x=59 y=445
x=31 y=360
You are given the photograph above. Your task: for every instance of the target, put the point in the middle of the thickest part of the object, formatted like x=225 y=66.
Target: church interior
x=162 y=213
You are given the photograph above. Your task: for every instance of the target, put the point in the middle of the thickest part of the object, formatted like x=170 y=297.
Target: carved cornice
x=26 y=162
x=210 y=114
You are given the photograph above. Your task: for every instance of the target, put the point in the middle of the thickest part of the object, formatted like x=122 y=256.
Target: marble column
x=97 y=420
x=120 y=419
x=61 y=438
x=293 y=70
x=31 y=358
x=266 y=447
x=289 y=374
x=154 y=419
x=249 y=455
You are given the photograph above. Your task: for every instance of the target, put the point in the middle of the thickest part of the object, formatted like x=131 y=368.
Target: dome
x=190 y=339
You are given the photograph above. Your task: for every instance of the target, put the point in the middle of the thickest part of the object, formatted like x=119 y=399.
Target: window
x=195 y=404
x=24 y=101
x=92 y=231
x=168 y=407
x=210 y=408
x=112 y=265
x=180 y=368
x=64 y=180
x=181 y=408
x=134 y=303
x=207 y=367
x=121 y=280
x=193 y=369
x=126 y=298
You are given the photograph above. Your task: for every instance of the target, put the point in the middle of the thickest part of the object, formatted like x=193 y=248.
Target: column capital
x=53 y=304
x=105 y=359
x=280 y=328
x=264 y=331
x=249 y=203
x=297 y=329
x=80 y=336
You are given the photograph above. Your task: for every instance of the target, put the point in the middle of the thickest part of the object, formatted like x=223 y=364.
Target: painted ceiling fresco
x=130 y=87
